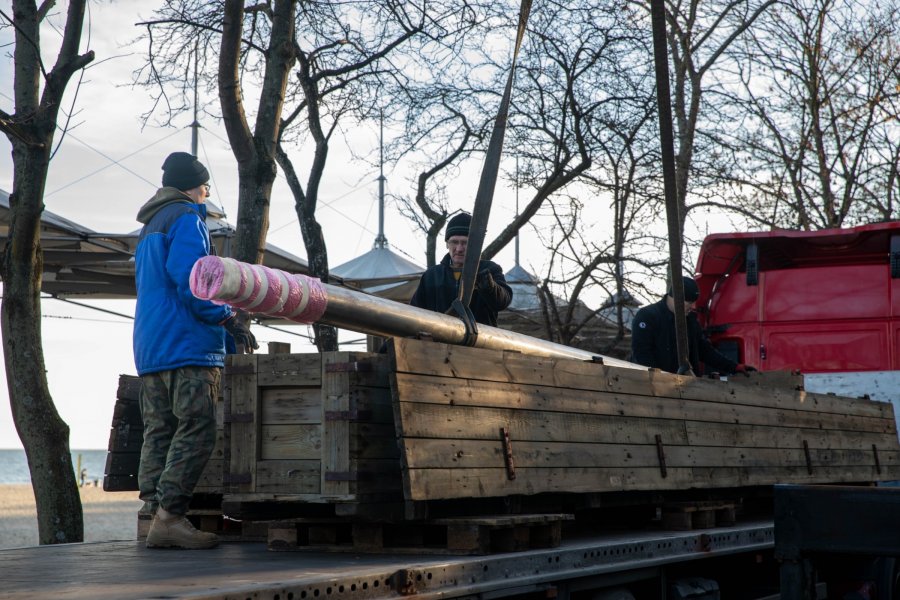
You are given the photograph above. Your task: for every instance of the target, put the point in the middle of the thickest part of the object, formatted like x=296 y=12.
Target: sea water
x=14 y=466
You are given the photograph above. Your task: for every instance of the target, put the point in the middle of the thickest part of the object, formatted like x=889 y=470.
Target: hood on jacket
x=164 y=196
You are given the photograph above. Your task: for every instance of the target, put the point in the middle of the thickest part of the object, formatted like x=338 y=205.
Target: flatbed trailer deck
x=244 y=570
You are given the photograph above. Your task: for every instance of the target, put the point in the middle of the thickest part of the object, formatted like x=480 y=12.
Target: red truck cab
x=823 y=301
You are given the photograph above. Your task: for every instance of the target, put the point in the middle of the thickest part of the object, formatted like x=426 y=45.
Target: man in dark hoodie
x=179 y=351
x=439 y=285
x=653 y=342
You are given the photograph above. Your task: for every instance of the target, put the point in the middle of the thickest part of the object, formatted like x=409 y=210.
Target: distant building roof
x=381 y=272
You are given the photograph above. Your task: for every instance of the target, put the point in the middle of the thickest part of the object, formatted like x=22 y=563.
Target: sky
x=108 y=165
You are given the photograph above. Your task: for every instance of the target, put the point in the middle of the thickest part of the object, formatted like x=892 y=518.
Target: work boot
x=175 y=531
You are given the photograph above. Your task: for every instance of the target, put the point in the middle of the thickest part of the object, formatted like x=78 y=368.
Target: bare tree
x=255 y=152
x=443 y=127
x=31 y=131
x=343 y=57
x=698 y=34
x=572 y=53
x=819 y=104
x=258 y=39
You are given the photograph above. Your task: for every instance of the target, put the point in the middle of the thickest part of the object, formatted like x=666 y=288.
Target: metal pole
x=381 y=240
x=372 y=315
x=673 y=216
x=195 y=126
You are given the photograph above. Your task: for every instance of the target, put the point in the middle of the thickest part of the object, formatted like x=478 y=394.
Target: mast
x=195 y=126
x=381 y=240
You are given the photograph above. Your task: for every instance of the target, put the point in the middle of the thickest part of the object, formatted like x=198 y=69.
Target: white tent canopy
x=381 y=272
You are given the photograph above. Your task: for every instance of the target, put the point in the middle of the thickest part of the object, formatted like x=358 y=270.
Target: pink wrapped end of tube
x=259 y=289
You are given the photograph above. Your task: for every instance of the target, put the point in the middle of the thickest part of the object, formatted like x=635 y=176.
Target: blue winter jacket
x=172 y=328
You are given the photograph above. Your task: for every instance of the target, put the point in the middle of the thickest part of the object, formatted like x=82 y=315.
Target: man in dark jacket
x=653 y=337
x=439 y=285
x=179 y=350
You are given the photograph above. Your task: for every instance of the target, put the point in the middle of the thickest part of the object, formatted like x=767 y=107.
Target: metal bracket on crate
x=809 y=466
x=661 y=453
x=507 y=454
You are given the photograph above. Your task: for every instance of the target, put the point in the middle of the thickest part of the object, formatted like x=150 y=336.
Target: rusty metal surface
x=127 y=570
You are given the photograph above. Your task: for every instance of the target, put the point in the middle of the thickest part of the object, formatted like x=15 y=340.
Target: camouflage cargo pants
x=178 y=409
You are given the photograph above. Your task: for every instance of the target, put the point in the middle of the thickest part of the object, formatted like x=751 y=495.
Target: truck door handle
x=762 y=352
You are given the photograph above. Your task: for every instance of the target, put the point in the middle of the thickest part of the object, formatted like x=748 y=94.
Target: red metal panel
x=819 y=294
x=822 y=347
x=734 y=302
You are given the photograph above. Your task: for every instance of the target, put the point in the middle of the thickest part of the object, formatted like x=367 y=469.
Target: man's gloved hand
x=484 y=280
x=744 y=369
x=241 y=333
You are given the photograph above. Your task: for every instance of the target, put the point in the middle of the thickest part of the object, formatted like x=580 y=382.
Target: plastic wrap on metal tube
x=262 y=290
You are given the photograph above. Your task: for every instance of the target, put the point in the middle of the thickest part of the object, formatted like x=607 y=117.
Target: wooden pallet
x=685 y=516
x=461 y=535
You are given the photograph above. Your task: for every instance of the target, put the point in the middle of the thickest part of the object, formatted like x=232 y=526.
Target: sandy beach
x=107 y=515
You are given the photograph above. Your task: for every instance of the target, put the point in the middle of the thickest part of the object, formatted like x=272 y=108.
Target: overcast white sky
x=108 y=166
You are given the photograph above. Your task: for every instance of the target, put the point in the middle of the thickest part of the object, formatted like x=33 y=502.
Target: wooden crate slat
x=289 y=370
x=290 y=442
x=730 y=434
x=466 y=483
x=122 y=463
x=441 y=453
x=290 y=405
x=211 y=478
x=443 y=360
x=468 y=392
x=242 y=404
x=466 y=422
x=287 y=477
x=335 y=433
x=129 y=387
x=751 y=392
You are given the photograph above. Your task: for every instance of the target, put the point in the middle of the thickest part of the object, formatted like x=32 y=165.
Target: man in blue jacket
x=179 y=351
x=439 y=285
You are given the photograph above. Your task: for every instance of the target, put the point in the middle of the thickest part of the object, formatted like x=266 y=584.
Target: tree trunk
x=254 y=152
x=31 y=130
x=43 y=433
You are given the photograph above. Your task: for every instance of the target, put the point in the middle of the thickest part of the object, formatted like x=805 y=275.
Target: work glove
x=241 y=333
x=744 y=369
x=484 y=280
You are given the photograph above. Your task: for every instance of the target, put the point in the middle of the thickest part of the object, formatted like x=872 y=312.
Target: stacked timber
x=484 y=423
x=434 y=422
x=125 y=437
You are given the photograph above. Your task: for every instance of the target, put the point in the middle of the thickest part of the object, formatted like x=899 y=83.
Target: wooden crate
x=127 y=435
x=481 y=423
x=310 y=428
x=125 y=438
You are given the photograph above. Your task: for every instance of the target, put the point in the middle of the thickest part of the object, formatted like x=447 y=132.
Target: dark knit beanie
x=691 y=290
x=458 y=225
x=183 y=171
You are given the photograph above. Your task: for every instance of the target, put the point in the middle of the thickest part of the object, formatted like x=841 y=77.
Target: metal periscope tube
x=262 y=290
x=372 y=315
